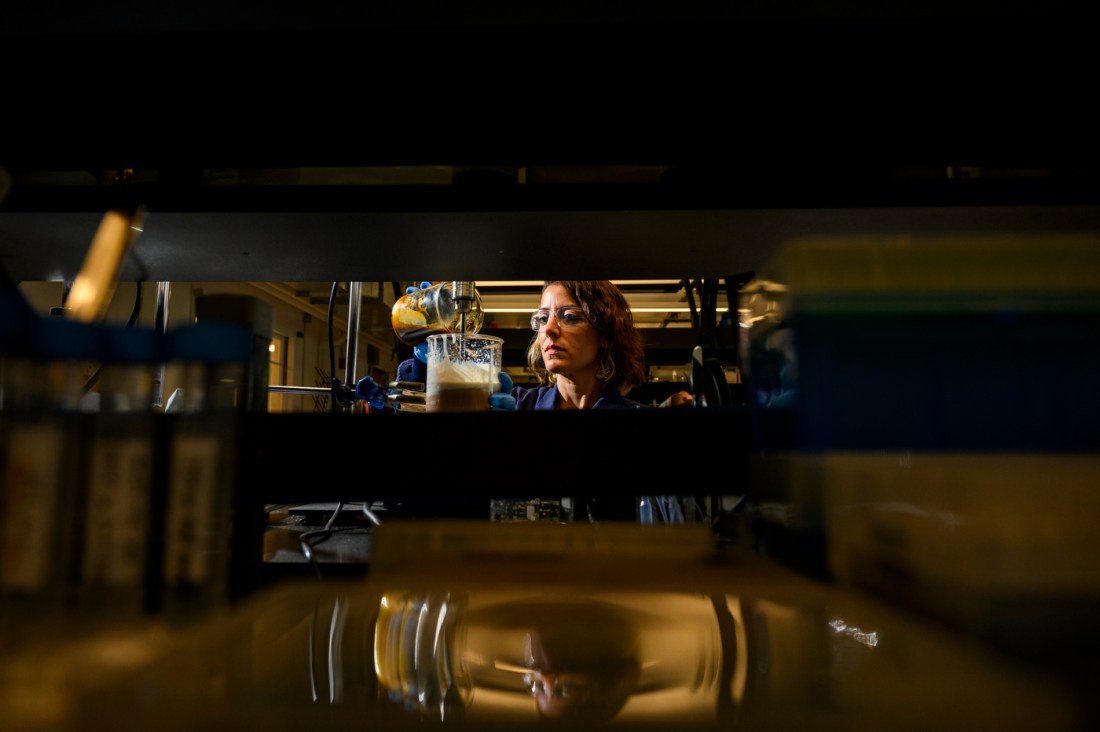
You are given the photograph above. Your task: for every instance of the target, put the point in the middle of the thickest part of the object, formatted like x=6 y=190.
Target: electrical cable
x=306 y=539
x=371 y=515
x=342 y=395
x=310 y=540
x=93 y=379
x=136 y=309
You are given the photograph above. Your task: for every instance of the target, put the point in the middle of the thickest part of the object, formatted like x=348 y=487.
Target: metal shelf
x=287 y=235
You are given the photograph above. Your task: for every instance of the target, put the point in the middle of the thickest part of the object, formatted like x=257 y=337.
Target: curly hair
x=622 y=352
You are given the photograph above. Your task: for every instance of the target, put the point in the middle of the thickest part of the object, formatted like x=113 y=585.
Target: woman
x=587 y=353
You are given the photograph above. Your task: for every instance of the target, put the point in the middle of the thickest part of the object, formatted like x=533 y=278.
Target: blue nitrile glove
x=371 y=393
x=503 y=401
x=414 y=369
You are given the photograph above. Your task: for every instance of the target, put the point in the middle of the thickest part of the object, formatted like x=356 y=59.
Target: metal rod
x=355 y=292
x=321 y=390
x=160 y=324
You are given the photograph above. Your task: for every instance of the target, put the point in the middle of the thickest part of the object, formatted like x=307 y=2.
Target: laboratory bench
x=456 y=620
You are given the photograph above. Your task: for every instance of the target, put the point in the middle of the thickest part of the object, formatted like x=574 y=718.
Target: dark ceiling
x=767 y=120
x=766 y=89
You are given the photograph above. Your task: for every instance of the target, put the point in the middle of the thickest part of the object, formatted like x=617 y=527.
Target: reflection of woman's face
x=558 y=695
x=581 y=675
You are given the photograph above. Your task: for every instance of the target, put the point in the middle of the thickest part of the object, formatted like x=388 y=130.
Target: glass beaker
x=463 y=370
x=440 y=308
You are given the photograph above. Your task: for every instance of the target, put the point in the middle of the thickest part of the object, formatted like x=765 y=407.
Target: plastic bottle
x=42 y=449
x=204 y=415
x=117 y=505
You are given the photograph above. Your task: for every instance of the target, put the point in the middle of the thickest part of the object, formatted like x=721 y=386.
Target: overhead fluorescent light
x=634 y=310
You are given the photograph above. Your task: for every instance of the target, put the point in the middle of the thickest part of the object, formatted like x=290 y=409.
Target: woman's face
x=559 y=695
x=571 y=351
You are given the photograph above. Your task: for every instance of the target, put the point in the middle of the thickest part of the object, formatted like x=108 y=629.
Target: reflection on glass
x=486 y=658
x=581 y=659
x=413 y=648
x=589 y=659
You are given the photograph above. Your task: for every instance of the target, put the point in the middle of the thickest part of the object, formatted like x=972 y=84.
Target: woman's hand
x=679 y=399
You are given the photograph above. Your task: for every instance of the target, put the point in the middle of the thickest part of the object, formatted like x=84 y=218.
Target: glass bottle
x=448 y=307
